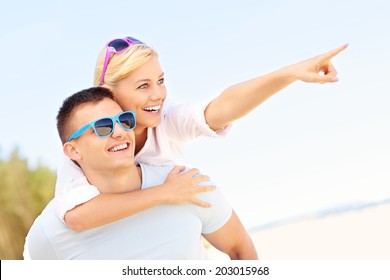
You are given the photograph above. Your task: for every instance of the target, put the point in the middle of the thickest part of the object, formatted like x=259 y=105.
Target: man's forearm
x=245 y=251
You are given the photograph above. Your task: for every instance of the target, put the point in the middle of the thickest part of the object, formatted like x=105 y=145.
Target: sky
x=308 y=147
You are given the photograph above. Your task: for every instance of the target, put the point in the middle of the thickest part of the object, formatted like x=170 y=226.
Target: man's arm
x=240 y=99
x=233 y=240
x=178 y=188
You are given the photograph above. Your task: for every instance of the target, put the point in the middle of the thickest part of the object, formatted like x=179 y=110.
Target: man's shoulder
x=156 y=169
x=153 y=175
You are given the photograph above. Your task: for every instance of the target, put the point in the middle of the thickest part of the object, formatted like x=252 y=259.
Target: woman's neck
x=141 y=135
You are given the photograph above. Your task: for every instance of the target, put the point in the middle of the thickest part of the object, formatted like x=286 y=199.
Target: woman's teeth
x=152 y=108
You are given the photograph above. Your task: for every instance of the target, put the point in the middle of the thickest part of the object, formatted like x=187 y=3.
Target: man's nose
x=118 y=131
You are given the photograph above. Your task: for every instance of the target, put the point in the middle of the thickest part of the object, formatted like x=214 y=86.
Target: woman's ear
x=71 y=150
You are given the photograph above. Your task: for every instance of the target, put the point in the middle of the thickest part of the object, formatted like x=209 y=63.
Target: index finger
x=335 y=52
x=201 y=203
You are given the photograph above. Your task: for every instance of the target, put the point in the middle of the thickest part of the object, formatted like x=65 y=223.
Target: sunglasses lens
x=133 y=40
x=119 y=45
x=127 y=120
x=104 y=127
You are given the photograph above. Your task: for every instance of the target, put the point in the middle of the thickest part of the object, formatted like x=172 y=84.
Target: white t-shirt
x=179 y=124
x=165 y=232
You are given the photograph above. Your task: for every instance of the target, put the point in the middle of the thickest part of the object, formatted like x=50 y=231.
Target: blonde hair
x=122 y=64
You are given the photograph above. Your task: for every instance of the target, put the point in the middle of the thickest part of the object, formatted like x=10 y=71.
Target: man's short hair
x=65 y=113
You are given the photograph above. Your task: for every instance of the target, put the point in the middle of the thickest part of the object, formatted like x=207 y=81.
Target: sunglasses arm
x=77 y=133
x=106 y=59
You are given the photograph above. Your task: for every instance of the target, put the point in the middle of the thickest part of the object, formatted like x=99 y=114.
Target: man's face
x=102 y=154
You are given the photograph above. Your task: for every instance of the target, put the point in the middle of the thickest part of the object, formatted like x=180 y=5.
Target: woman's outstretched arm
x=240 y=99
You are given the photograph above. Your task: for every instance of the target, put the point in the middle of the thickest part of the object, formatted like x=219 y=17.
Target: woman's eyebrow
x=148 y=80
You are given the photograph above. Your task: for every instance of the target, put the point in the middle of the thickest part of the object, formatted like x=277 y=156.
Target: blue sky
x=309 y=146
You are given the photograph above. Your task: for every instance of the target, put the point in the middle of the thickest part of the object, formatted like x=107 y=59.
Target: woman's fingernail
x=334 y=79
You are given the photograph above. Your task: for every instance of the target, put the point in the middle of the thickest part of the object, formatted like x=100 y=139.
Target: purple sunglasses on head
x=117 y=46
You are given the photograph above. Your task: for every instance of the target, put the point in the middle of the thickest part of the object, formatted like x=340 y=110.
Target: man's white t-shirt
x=167 y=232
x=179 y=124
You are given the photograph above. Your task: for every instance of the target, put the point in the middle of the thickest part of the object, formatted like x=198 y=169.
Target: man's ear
x=72 y=151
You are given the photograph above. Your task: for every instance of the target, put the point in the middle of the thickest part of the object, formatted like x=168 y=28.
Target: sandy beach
x=356 y=235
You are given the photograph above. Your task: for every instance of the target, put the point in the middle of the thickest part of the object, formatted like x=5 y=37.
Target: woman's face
x=144 y=92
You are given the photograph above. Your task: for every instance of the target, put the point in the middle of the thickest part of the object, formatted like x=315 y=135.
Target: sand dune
x=357 y=235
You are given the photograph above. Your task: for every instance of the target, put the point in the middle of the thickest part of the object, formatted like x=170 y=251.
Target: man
x=104 y=149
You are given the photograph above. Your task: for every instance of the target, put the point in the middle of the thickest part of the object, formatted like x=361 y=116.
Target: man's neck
x=115 y=181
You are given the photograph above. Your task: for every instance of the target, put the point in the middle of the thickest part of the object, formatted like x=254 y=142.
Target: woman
x=131 y=70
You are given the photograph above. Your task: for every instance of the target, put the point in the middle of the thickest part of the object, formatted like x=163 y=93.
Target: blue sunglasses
x=104 y=127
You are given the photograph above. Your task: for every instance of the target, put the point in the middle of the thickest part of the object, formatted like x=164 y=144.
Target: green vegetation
x=23 y=195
